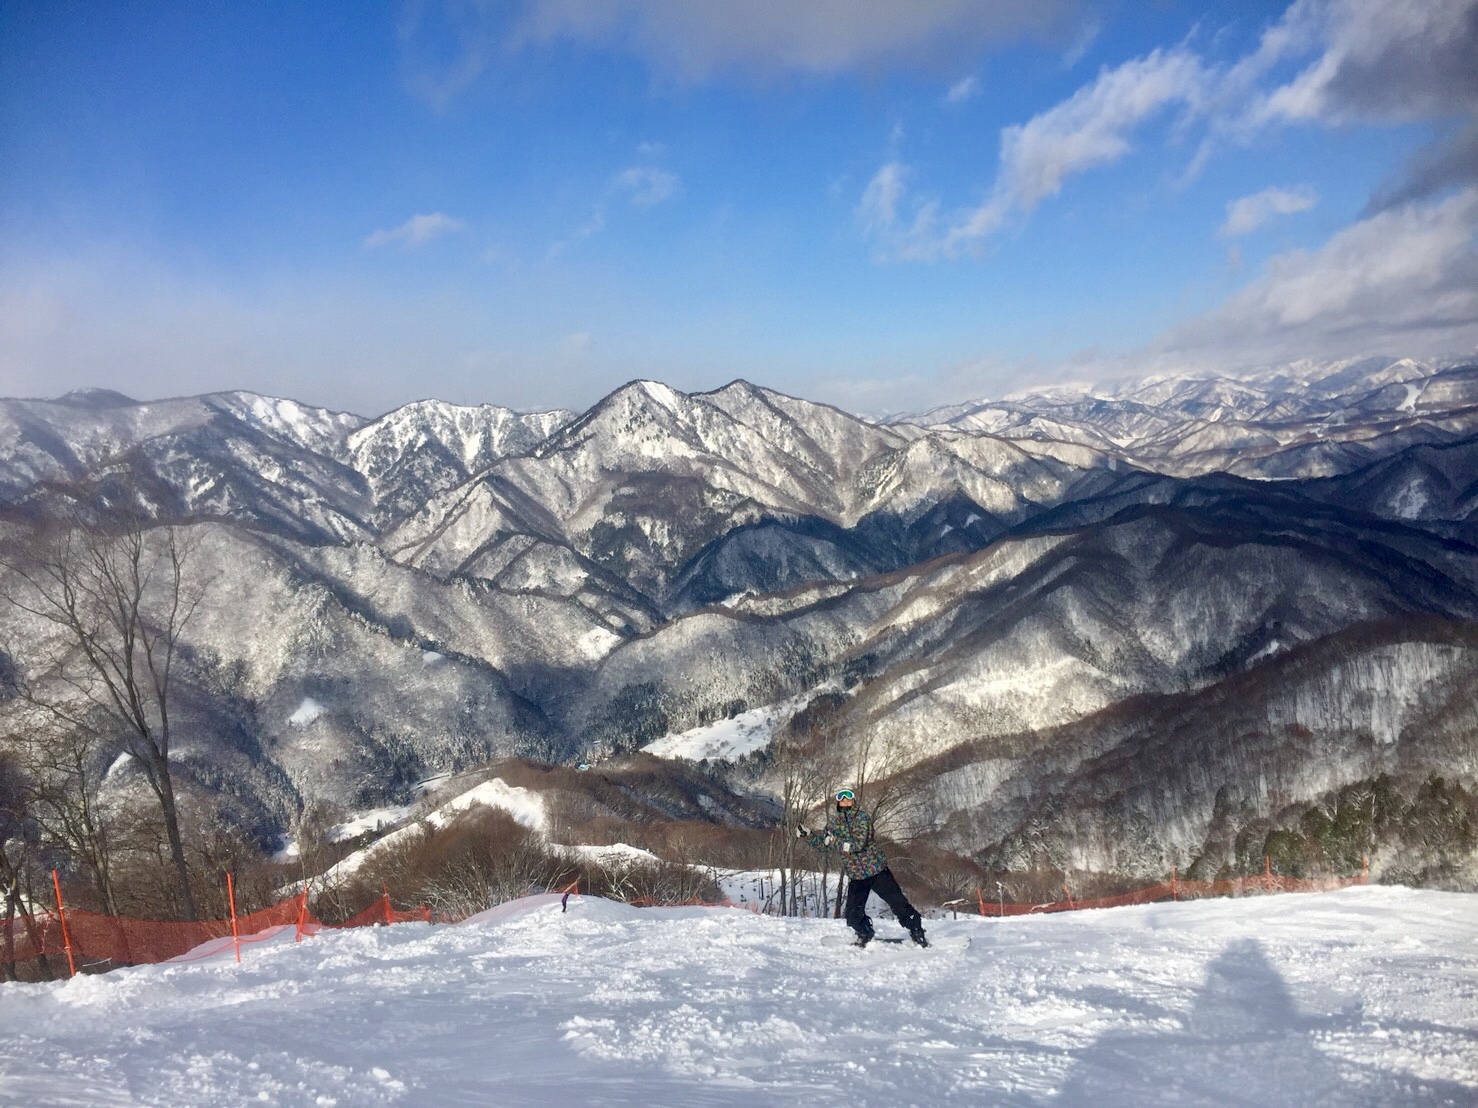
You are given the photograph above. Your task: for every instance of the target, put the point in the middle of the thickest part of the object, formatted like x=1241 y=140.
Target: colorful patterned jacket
x=849 y=834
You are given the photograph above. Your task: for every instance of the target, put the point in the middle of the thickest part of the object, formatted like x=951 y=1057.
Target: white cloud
x=1404 y=279
x=1353 y=61
x=645 y=186
x=1447 y=163
x=697 y=41
x=588 y=230
x=1082 y=42
x=642 y=186
x=445 y=47
x=574 y=345
x=1402 y=282
x=416 y=231
x=1325 y=61
x=967 y=88
x=1376 y=60
x=1246 y=214
x=1091 y=128
x=878 y=207
x=149 y=326
x=125 y=320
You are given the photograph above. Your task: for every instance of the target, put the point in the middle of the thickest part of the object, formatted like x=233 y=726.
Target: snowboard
x=945 y=942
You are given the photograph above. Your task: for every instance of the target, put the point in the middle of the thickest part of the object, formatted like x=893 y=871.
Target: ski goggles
x=845 y=794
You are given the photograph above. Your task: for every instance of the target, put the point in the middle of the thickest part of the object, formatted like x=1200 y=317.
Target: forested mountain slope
x=1088 y=627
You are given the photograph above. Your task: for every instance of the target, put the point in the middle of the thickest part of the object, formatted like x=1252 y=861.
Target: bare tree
x=875 y=767
x=61 y=781
x=882 y=786
x=17 y=843
x=313 y=830
x=117 y=596
x=795 y=787
x=804 y=756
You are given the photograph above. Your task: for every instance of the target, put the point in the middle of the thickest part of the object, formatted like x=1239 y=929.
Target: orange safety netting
x=92 y=939
x=382 y=911
x=98 y=938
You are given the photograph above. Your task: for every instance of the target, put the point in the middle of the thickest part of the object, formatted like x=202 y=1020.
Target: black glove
x=801 y=832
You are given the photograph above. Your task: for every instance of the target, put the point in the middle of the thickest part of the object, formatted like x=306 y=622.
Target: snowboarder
x=849 y=832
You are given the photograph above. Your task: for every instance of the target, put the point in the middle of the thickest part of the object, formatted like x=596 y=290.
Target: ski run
x=1367 y=996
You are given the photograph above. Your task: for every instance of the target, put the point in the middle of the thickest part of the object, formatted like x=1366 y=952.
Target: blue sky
x=881 y=205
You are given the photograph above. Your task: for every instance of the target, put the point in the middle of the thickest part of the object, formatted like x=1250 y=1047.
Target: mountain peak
x=96 y=399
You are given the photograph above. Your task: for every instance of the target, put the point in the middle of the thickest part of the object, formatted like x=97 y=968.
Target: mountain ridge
x=448 y=584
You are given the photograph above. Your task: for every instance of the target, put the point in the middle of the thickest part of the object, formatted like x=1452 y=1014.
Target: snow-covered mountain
x=652 y=485
x=1004 y=598
x=1301 y=421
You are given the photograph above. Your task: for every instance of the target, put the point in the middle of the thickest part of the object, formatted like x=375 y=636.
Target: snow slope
x=729 y=739
x=1367 y=996
x=522 y=804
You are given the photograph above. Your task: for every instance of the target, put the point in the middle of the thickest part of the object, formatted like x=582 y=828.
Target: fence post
x=1174 y=886
x=385 y=895
x=302 y=912
x=231 y=903
x=1267 y=873
x=61 y=915
x=1067 y=894
x=1364 y=870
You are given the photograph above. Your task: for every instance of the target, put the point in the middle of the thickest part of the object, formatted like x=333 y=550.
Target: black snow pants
x=886 y=886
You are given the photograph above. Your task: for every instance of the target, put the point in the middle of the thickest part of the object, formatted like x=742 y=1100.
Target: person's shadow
x=1244 y=1042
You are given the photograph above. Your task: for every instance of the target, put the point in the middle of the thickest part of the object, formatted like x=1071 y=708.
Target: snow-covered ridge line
x=524 y=805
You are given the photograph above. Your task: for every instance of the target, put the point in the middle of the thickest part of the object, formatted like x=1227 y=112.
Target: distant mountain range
x=1087 y=623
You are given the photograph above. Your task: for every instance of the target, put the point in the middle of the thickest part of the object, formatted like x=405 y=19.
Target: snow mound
x=224 y=949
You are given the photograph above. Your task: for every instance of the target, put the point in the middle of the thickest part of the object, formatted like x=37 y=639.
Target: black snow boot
x=916 y=933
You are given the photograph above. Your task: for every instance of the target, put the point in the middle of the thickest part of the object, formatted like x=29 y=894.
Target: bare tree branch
x=118 y=594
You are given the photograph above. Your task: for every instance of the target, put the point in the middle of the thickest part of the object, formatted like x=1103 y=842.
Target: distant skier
x=849 y=832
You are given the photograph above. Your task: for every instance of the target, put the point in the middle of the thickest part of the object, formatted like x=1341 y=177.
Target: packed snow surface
x=1368 y=996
